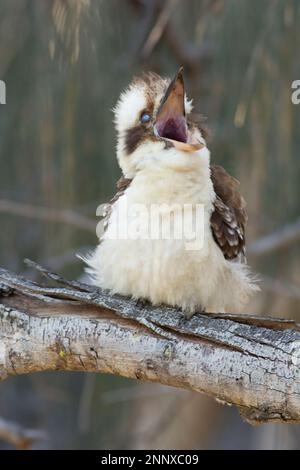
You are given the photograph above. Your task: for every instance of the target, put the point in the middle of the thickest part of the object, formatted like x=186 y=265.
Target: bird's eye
x=145 y=118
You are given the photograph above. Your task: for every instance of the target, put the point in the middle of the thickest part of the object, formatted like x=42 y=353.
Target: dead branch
x=190 y=56
x=157 y=31
x=155 y=19
x=47 y=214
x=247 y=361
x=278 y=240
x=278 y=287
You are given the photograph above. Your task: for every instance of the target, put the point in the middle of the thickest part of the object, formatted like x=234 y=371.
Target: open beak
x=171 y=121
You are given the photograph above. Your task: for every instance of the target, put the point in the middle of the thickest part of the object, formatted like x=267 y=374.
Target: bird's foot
x=188 y=315
x=141 y=303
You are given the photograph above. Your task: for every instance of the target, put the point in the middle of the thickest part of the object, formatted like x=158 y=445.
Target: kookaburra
x=162 y=153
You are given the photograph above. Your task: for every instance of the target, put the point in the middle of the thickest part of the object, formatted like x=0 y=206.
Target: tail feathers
x=241 y=285
x=91 y=269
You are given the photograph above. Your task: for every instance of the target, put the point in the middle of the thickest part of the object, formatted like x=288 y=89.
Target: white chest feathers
x=155 y=247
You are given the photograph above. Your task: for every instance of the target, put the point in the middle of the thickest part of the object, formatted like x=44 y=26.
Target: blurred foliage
x=64 y=63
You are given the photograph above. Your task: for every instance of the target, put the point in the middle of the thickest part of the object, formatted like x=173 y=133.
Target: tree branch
x=47 y=214
x=247 y=361
x=278 y=240
x=157 y=31
x=275 y=241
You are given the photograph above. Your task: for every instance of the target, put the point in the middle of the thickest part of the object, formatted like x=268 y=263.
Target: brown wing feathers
x=229 y=217
x=122 y=185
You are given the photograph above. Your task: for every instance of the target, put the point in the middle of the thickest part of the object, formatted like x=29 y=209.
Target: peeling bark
x=248 y=361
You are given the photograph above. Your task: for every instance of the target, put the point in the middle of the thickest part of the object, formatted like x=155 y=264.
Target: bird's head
x=153 y=124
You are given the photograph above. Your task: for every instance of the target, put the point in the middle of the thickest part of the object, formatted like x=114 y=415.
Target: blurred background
x=65 y=63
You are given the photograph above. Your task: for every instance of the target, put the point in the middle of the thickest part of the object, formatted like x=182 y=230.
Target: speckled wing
x=229 y=216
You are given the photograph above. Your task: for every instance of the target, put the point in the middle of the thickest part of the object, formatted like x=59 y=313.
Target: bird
x=165 y=163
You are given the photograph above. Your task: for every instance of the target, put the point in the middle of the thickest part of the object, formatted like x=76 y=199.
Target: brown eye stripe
x=134 y=137
x=138 y=133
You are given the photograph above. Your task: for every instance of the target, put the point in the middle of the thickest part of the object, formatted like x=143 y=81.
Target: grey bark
x=248 y=361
